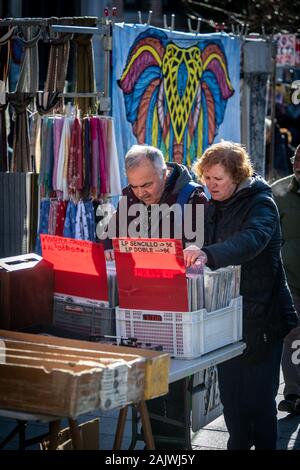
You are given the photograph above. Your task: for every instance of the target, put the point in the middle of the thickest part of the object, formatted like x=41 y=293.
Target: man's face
x=146 y=182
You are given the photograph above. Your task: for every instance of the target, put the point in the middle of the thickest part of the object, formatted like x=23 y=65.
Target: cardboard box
x=147 y=375
x=39 y=376
x=26 y=291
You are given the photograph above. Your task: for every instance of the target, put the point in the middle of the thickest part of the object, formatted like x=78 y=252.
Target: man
x=153 y=183
x=287 y=196
x=153 y=188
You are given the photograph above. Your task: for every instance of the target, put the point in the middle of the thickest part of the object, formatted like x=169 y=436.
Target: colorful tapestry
x=176 y=91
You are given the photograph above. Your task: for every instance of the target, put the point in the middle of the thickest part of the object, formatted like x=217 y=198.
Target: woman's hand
x=192 y=253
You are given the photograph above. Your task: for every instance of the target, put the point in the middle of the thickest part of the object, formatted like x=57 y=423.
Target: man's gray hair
x=138 y=153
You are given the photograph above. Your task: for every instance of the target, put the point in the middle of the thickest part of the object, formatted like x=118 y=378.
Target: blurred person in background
x=287 y=196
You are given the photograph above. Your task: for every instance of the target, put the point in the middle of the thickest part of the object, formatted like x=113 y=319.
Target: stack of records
x=212 y=289
x=195 y=284
x=113 y=295
x=206 y=288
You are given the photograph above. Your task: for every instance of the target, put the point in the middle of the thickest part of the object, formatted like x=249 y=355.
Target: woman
x=242 y=227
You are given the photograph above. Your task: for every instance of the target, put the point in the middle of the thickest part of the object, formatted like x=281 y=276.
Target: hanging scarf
x=95 y=164
x=58 y=63
x=102 y=142
x=29 y=75
x=75 y=176
x=85 y=73
x=87 y=153
x=81 y=227
x=57 y=131
x=4 y=57
x=84 y=64
x=62 y=166
x=46 y=101
x=21 y=160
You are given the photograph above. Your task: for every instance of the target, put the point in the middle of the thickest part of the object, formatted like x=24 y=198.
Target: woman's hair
x=232 y=156
x=138 y=153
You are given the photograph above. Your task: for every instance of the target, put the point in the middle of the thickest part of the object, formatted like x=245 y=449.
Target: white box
x=185 y=335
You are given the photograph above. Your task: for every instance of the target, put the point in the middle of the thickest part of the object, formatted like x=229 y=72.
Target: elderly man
x=287 y=196
x=153 y=184
x=153 y=188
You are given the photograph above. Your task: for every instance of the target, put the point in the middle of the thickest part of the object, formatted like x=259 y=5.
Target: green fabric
x=287 y=196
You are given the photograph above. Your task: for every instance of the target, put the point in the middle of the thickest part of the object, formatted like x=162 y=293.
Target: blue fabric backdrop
x=178 y=91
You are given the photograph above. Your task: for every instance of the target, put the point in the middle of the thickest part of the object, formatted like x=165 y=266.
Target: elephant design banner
x=176 y=91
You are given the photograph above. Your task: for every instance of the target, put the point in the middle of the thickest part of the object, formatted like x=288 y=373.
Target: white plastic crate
x=184 y=335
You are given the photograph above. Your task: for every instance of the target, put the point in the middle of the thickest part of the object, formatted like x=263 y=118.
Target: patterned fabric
x=60 y=217
x=177 y=91
x=87 y=152
x=81 y=225
x=102 y=142
x=52 y=217
x=44 y=222
x=90 y=219
x=70 y=221
x=75 y=176
x=79 y=157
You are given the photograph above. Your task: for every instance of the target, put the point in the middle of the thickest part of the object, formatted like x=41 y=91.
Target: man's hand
x=192 y=254
x=109 y=255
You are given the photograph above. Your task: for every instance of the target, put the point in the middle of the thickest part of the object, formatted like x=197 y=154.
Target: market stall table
x=185 y=369
x=59 y=378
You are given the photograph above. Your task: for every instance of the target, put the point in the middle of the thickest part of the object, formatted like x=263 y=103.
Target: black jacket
x=245 y=230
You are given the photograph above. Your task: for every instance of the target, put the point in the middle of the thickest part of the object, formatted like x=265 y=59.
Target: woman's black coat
x=245 y=230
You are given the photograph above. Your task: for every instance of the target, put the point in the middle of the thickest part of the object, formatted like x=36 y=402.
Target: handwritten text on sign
x=142 y=246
